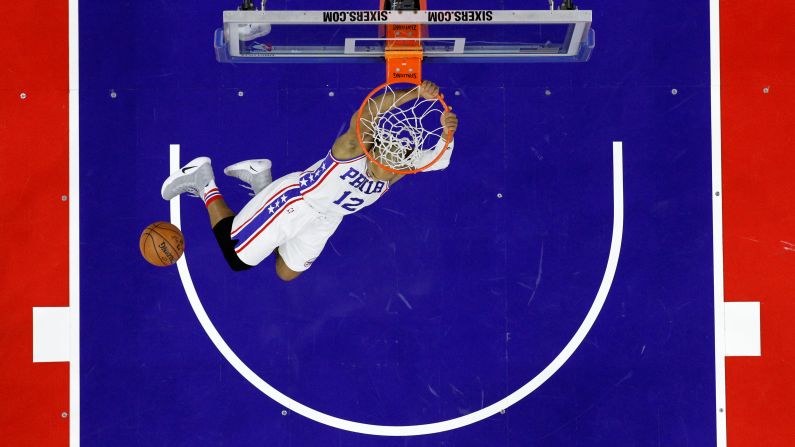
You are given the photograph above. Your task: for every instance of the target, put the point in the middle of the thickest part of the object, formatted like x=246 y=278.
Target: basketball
x=162 y=244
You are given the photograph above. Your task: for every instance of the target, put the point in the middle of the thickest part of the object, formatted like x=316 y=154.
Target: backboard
x=263 y=36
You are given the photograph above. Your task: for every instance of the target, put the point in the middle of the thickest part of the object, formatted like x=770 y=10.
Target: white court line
x=717 y=224
x=436 y=427
x=74 y=226
x=743 y=329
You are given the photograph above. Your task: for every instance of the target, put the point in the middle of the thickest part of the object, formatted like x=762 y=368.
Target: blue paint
x=341 y=339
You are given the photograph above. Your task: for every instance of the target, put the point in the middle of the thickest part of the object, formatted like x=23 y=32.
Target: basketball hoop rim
x=370 y=156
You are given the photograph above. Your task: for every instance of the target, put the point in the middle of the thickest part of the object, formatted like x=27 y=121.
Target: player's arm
x=450 y=125
x=347 y=145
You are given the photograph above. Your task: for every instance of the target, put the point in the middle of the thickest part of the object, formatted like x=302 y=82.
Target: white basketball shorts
x=279 y=217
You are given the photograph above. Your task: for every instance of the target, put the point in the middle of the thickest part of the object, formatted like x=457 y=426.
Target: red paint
x=34 y=227
x=759 y=213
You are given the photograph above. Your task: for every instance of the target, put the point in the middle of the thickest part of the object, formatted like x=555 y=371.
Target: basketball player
x=295 y=215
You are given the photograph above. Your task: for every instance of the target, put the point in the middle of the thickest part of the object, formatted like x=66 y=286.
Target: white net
x=399 y=128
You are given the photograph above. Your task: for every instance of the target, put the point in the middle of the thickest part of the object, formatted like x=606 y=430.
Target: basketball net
x=401 y=138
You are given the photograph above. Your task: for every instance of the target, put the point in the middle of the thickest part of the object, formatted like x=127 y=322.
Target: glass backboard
x=445 y=36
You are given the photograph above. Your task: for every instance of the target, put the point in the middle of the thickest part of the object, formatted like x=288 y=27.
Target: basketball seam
x=157 y=252
x=169 y=243
x=142 y=242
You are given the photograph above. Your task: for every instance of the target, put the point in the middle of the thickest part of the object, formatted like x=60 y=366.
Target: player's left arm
x=450 y=125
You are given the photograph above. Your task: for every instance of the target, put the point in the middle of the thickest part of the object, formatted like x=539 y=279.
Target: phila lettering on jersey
x=340 y=187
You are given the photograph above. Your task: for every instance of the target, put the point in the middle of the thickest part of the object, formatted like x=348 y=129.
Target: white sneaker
x=250 y=31
x=191 y=179
x=256 y=173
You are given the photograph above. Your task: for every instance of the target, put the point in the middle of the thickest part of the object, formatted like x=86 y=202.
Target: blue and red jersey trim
x=254 y=226
x=310 y=180
x=337 y=160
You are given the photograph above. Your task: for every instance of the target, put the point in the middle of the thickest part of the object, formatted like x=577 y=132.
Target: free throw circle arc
x=435 y=427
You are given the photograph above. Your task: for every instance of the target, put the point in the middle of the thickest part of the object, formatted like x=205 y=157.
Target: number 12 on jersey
x=352 y=203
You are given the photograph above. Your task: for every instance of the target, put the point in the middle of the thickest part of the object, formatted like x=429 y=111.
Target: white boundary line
x=717 y=224
x=413 y=430
x=74 y=225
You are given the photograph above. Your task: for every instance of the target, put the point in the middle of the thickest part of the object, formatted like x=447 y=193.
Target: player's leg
x=282 y=271
x=299 y=252
x=196 y=179
x=269 y=219
x=218 y=210
x=250 y=236
x=257 y=175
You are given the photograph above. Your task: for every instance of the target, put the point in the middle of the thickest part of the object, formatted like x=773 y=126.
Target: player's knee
x=221 y=231
x=234 y=262
x=286 y=274
x=285 y=277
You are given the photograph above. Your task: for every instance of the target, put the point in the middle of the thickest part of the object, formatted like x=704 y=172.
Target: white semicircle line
x=435 y=427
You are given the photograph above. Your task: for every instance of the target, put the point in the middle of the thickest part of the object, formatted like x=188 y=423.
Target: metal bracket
x=458 y=43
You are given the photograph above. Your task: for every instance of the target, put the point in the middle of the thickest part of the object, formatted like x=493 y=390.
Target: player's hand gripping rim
x=429 y=90
x=450 y=123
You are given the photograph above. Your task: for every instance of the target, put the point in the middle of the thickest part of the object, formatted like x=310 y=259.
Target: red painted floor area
x=759 y=213
x=34 y=227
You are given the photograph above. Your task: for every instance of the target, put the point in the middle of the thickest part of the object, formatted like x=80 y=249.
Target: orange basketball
x=162 y=244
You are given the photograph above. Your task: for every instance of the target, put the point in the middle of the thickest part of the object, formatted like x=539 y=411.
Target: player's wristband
x=443 y=162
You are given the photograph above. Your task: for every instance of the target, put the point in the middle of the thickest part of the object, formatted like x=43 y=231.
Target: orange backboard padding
x=404 y=57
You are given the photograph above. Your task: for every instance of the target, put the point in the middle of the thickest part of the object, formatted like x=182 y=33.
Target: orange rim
x=381 y=165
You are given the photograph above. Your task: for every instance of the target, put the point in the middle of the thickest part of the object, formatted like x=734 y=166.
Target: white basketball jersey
x=340 y=187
